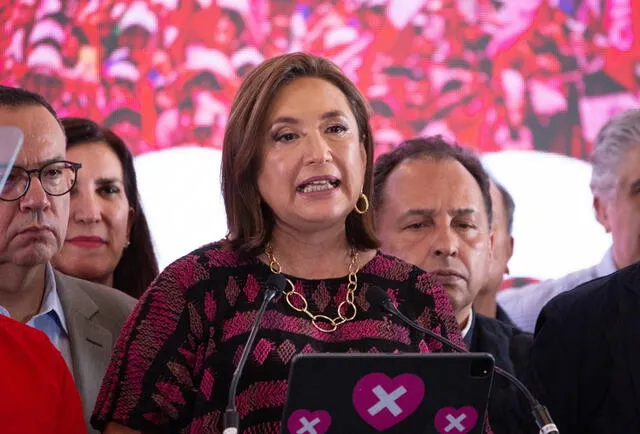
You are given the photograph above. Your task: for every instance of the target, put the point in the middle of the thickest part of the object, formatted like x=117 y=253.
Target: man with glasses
x=80 y=318
x=56 y=177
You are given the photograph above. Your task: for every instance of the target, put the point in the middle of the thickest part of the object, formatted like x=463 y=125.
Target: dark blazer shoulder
x=591 y=292
x=600 y=297
x=499 y=328
x=509 y=345
x=591 y=329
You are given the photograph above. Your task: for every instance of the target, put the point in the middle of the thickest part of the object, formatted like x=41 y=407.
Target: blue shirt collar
x=51 y=304
x=606 y=265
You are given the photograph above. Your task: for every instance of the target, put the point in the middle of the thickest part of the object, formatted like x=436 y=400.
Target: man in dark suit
x=433 y=209
x=585 y=359
x=81 y=319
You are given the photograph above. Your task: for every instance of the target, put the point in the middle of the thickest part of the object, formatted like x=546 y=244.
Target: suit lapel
x=90 y=342
x=488 y=339
x=630 y=310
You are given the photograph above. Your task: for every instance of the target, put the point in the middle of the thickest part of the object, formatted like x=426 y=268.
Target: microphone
x=275 y=285
x=377 y=297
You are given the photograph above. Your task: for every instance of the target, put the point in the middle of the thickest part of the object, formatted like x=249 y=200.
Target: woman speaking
x=296 y=177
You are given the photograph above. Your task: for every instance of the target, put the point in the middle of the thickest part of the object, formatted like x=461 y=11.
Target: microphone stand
x=231 y=420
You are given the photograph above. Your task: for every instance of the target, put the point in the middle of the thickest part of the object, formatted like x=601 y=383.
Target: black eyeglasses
x=57 y=178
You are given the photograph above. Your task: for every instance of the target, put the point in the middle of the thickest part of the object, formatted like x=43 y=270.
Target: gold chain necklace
x=347 y=309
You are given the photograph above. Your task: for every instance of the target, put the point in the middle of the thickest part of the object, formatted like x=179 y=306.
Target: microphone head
x=276 y=283
x=376 y=296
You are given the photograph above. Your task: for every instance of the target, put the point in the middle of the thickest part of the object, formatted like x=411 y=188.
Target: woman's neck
x=319 y=255
x=106 y=280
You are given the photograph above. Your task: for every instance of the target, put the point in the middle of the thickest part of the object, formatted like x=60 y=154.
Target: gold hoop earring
x=366 y=204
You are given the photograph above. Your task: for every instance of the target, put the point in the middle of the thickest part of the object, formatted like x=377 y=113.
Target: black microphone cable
x=377 y=297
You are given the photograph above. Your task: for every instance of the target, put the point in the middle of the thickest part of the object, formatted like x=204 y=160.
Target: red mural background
x=495 y=75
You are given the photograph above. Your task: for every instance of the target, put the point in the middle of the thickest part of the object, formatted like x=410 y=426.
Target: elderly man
x=615 y=184
x=502 y=211
x=433 y=209
x=585 y=358
x=81 y=319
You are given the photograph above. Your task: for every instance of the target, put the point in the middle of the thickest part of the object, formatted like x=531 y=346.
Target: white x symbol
x=308 y=427
x=387 y=400
x=455 y=422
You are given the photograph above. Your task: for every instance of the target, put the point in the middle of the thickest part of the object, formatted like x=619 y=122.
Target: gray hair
x=615 y=139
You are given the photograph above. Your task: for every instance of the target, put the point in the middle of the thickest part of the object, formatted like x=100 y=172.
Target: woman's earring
x=363 y=197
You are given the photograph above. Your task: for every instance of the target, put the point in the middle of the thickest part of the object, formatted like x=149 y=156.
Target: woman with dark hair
x=296 y=177
x=108 y=239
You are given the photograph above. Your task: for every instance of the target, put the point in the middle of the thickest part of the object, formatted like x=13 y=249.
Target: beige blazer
x=94 y=315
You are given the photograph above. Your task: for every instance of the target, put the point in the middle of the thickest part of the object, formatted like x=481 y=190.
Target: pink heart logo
x=383 y=402
x=451 y=420
x=306 y=422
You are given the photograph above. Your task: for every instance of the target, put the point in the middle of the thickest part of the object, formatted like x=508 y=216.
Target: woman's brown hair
x=249 y=219
x=138 y=266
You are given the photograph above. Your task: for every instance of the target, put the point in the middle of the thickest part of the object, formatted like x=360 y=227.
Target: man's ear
x=492 y=252
x=602 y=214
x=509 y=253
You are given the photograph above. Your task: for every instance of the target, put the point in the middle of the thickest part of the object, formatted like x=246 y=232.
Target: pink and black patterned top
x=173 y=362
